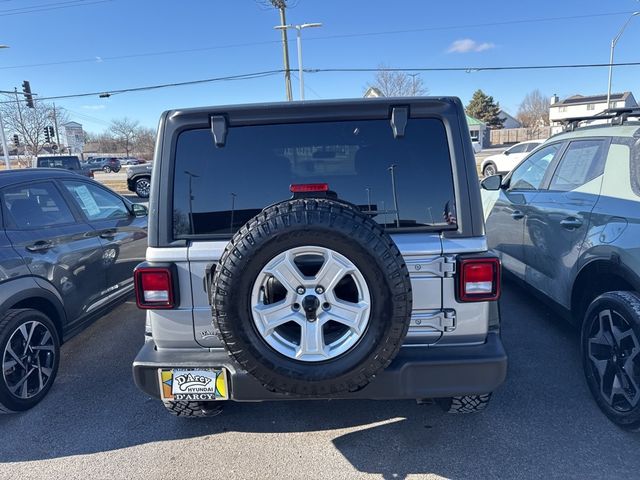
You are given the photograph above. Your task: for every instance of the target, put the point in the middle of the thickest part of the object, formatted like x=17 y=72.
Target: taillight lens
x=154 y=288
x=479 y=279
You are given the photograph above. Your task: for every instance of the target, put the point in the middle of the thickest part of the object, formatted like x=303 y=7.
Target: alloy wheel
x=143 y=187
x=310 y=304
x=28 y=360
x=614 y=355
x=489 y=170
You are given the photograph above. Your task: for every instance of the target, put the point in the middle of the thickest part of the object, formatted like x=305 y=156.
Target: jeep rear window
x=217 y=190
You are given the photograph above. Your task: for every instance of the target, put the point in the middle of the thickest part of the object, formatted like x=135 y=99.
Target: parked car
x=477 y=148
x=325 y=281
x=131 y=161
x=566 y=222
x=139 y=180
x=505 y=162
x=68 y=247
x=67 y=162
x=106 y=164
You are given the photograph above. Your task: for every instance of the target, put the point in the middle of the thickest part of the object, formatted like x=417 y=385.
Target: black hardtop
x=362 y=108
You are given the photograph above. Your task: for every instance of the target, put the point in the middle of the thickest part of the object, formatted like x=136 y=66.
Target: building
x=72 y=137
x=586 y=106
x=478 y=131
x=373 y=92
x=508 y=121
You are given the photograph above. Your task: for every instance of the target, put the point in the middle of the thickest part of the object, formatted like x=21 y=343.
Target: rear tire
x=193 y=409
x=611 y=356
x=143 y=187
x=489 y=169
x=29 y=348
x=465 y=403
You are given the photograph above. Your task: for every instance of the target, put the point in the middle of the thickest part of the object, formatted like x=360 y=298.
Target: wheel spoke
x=43 y=347
x=10 y=351
x=273 y=315
x=608 y=382
x=287 y=273
x=348 y=314
x=332 y=271
x=311 y=340
x=45 y=338
x=28 y=342
x=22 y=383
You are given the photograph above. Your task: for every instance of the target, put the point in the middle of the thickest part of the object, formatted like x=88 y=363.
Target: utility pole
x=5 y=148
x=55 y=124
x=281 y=5
x=392 y=169
x=24 y=136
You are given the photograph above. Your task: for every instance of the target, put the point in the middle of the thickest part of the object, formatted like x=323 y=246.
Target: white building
x=72 y=136
x=586 y=106
x=509 y=121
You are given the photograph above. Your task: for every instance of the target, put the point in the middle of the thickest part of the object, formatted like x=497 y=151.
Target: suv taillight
x=154 y=287
x=478 y=279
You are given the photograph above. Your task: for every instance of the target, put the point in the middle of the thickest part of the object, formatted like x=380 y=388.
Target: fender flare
x=24 y=288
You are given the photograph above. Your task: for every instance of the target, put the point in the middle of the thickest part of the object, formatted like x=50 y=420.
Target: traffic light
x=47 y=135
x=52 y=133
x=16 y=141
x=26 y=90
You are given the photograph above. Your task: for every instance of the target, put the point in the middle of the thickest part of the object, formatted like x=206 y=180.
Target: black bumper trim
x=417 y=372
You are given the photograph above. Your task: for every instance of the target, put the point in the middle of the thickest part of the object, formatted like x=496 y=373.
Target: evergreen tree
x=483 y=107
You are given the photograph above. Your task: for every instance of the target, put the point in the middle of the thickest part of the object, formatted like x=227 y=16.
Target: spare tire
x=312 y=298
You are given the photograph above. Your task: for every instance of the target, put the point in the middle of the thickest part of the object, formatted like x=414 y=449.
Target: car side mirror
x=139 y=210
x=492 y=183
x=506 y=152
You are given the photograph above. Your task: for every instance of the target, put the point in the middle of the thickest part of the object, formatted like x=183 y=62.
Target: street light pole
x=298 y=29
x=614 y=41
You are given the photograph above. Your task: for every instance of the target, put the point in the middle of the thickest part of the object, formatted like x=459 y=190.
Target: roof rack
x=618 y=116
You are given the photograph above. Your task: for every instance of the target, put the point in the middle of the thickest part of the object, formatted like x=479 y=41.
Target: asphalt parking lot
x=541 y=424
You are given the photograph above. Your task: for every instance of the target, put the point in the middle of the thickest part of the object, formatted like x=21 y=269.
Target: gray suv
x=68 y=247
x=318 y=250
x=566 y=221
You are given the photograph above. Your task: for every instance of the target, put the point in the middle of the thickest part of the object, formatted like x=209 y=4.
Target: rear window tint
x=216 y=190
x=70 y=163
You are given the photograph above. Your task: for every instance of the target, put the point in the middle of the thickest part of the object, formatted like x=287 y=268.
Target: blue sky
x=92 y=31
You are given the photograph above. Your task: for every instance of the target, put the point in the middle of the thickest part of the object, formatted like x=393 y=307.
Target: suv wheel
x=143 y=187
x=106 y=169
x=30 y=352
x=193 y=409
x=464 y=404
x=611 y=356
x=489 y=169
x=312 y=298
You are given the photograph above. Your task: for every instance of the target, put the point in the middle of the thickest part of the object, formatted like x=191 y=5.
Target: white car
x=506 y=161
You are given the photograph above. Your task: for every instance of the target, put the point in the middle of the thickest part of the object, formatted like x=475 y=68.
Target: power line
x=268 y=73
x=99 y=59
x=48 y=7
x=109 y=93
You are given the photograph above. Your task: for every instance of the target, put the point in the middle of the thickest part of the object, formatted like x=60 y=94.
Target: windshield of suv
x=403 y=183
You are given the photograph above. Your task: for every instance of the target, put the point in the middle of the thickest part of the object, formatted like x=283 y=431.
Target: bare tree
x=124 y=132
x=398 y=84
x=145 y=142
x=29 y=123
x=534 y=110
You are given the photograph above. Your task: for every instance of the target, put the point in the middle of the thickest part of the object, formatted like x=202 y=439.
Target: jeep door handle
x=39 y=246
x=517 y=215
x=571 y=223
x=108 y=234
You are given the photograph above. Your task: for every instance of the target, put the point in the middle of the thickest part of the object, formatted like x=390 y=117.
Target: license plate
x=193 y=384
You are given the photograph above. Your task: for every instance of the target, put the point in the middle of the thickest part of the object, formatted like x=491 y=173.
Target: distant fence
x=514 y=135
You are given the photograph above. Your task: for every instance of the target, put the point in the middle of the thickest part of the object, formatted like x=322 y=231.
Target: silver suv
x=566 y=221
x=318 y=250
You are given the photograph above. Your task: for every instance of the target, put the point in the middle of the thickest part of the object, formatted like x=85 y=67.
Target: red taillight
x=479 y=279
x=308 y=187
x=154 y=288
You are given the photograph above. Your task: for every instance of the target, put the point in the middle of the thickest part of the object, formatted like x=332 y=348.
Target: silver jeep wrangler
x=318 y=250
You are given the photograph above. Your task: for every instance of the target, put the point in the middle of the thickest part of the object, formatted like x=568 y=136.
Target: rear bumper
x=417 y=372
